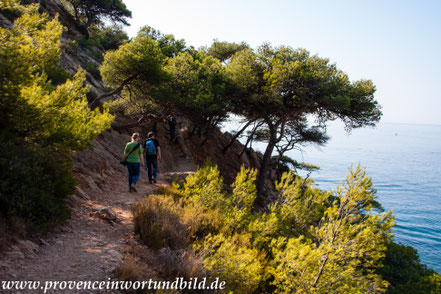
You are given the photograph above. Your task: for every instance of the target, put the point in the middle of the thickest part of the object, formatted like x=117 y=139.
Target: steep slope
x=93 y=241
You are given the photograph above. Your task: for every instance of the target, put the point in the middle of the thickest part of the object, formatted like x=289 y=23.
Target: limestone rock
x=106 y=214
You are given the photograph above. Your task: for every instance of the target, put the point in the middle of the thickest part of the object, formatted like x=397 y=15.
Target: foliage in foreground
x=307 y=241
x=41 y=124
x=405 y=273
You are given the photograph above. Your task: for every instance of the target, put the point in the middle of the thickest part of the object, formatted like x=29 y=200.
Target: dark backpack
x=150 y=148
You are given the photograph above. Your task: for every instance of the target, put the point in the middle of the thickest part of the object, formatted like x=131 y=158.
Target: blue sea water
x=404 y=162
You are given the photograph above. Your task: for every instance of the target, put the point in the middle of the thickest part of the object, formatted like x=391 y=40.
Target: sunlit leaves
x=345 y=248
x=31 y=107
x=140 y=60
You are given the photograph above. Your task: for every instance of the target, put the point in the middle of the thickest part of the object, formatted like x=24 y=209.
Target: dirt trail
x=89 y=245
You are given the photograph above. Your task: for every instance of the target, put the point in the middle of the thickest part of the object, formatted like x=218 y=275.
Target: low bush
x=157 y=222
x=287 y=248
x=57 y=75
x=33 y=185
x=406 y=274
x=233 y=261
x=200 y=221
x=171 y=191
x=94 y=70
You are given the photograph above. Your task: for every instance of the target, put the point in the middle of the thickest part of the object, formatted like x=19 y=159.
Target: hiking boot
x=130 y=189
x=154 y=181
x=133 y=188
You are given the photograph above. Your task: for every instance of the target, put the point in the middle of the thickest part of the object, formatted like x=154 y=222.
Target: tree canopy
x=199 y=88
x=170 y=47
x=281 y=86
x=288 y=94
x=159 y=72
x=88 y=12
x=41 y=124
x=225 y=50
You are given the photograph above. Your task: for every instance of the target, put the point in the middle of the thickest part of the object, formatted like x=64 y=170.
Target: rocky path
x=92 y=242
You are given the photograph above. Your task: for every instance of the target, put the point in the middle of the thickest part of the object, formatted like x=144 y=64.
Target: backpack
x=150 y=148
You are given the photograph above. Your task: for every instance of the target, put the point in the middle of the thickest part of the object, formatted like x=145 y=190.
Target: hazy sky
x=397 y=44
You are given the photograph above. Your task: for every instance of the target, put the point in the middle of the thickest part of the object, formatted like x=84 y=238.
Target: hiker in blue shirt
x=133 y=157
x=152 y=156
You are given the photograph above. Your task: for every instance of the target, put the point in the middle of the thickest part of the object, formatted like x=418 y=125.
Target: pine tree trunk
x=266 y=161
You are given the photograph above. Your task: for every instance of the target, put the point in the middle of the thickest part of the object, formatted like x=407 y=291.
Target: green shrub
x=299 y=204
x=93 y=69
x=108 y=37
x=306 y=241
x=33 y=185
x=57 y=75
x=206 y=187
x=44 y=118
x=11 y=9
x=200 y=221
x=233 y=261
x=264 y=227
x=85 y=43
x=403 y=270
x=171 y=191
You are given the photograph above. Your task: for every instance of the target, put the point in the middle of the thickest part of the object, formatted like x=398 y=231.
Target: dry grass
x=167 y=224
x=167 y=264
x=131 y=269
x=178 y=263
x=158 y=223
x=134 y=269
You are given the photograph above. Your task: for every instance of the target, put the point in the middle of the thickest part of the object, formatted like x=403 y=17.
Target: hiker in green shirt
x=133 y=157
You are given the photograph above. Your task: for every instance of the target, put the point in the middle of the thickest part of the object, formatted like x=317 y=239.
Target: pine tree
x=346 y=247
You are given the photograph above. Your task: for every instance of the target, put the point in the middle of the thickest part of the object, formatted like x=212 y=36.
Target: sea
x=404 y=162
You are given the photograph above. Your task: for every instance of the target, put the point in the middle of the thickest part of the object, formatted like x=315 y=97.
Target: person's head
x=151 y=135
x=135 y=137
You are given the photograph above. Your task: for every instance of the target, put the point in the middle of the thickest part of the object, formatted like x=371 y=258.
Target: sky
x=396 y=44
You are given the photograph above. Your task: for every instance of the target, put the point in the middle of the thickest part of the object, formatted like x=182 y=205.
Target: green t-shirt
x=135 y=156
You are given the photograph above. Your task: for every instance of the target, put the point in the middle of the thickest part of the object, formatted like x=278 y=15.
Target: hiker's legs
x=131 y=170
x=149 y=164
x=136 y=173
x=155 y=167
